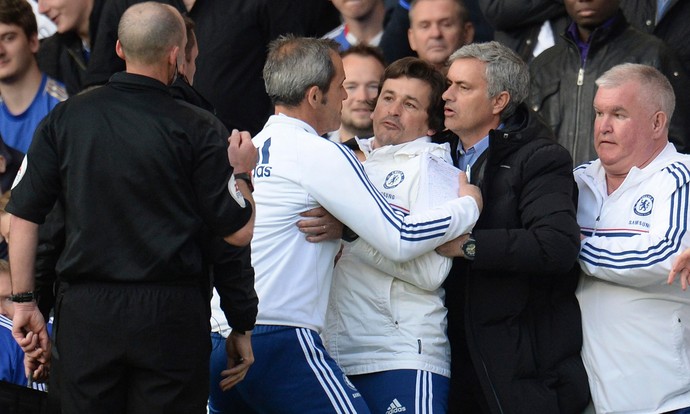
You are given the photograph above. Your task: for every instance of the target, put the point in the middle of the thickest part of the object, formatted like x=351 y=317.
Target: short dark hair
x=20 y=13
x=365 y=50
x=415 y=68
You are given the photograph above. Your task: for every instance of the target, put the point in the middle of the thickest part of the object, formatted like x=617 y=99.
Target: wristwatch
x=22 y=297
x=247 y=179
x=469 y=248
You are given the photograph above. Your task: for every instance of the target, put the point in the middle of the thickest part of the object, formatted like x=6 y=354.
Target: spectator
x=513 y=320
x=394 y=41
x=363 y=67
x=66 y=55
x=10 y=161
x=304 y=78
x=397 y=360
x=563 y=76
x=633 y=215
x=11 y=355
x=528 y=28
x=362 y=23
x=117 y=282
x=27 y=95
x=665 y=19
x=232 y=37
x=438 y=28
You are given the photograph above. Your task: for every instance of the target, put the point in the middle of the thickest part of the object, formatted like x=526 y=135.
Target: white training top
x=298 y=170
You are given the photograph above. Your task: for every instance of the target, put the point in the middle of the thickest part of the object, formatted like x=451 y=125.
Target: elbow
x=241 y=237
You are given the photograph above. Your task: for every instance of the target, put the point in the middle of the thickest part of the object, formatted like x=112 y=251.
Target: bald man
x=140 y=175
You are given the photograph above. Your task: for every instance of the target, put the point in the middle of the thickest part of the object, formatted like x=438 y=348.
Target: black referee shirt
x=139 y=175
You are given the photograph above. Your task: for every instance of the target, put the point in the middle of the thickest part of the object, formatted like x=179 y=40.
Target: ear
x=119 y=50
x=313 y=96
x=500 y=102
x=172 y=55
x=3 y=164
x=411 y=40
x=469 y=33
x=34 y=43
x=659 y=122
x=430 y=132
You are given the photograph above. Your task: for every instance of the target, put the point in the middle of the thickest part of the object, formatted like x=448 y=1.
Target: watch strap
x=247 y=179
x=22 y=297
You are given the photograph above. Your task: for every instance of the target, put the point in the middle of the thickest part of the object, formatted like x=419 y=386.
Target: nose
x=447 y=95
x=360 y=93
x=434 y=30
x=603 y=125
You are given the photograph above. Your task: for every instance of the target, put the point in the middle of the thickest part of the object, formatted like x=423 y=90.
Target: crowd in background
x=290 y=169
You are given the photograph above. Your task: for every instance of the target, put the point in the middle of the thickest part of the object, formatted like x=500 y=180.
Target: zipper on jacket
x=419 y=346
x=580 y=82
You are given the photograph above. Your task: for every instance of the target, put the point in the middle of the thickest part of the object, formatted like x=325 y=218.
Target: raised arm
x=352 y=199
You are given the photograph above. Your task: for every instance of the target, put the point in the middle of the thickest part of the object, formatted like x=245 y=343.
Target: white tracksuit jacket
x=384 y=315
x=299 y=170
x=636 y=327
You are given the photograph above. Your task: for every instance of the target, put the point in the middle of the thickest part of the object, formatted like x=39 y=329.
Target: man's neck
x=468 y=139
x=20 y=93
x=158 y=72
x=302 y=112
x=366 y=28
x=615 y=180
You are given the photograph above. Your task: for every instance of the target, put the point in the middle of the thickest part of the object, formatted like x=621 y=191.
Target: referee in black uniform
x=139 y=176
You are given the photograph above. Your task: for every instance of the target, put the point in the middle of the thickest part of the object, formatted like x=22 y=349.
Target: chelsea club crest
x=643 y=206
x=393 y=179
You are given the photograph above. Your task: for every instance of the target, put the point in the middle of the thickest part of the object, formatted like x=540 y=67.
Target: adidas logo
x=395 y=407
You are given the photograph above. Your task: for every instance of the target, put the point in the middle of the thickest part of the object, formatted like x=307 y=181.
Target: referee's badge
x=235 y=192
x=393 y=179
x=643 y=206
x=20 y=172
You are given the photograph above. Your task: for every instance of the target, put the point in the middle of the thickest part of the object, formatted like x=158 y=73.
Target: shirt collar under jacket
x=467 y=157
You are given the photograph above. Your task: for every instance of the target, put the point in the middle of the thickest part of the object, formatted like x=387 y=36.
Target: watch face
x=469 y=248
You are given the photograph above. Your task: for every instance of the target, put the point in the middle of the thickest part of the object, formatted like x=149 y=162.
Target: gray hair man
x=299 y=170
x=633 y=214
x=521 y=254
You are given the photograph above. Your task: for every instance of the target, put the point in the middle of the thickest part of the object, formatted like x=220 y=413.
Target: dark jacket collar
x=134 y=81
x=181 y=89
x=520 y=128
